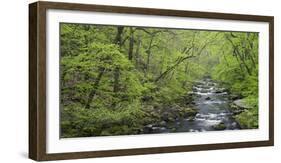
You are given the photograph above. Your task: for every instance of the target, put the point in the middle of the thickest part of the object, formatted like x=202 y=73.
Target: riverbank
x=246 y=114
x=205 y=108
x=244 y=109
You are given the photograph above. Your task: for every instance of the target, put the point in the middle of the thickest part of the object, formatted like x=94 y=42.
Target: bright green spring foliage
x=238 y=70
x=110 y=75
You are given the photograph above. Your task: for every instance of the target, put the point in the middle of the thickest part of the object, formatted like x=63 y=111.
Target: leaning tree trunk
x=95 y=87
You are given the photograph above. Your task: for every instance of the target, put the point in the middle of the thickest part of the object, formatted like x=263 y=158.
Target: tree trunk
x=118 y=41
x=238 y=54
x=131 y=44
x=118 y=38
x=116 y=80
x=137 y=55
x=169 y=69
x=148 y=51
x=243 y=61
x=95 y=87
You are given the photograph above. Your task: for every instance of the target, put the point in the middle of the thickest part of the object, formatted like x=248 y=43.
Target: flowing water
x=213 y=107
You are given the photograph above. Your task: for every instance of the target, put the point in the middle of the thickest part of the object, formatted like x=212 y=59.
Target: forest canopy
x=116 y=80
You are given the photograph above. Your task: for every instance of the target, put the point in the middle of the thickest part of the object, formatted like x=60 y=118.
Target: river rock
x=153 y=129
x=163 y=123
x=170 y=113
x=171 y=119
x=235 y=125
x=173 y=129
x=220 y=90
x=204 y=91
x=191 y=118
x=199 y=83
x=194 y=89
x=234 y=97
x=208 y=98
x=239 y=106
x=156 y=128
x=211 y=84
x=205 y=86
x=148 y=128
x=189 y=113
x=193 y=103
x=241 y=103
x=236 y=110
x=220 y=126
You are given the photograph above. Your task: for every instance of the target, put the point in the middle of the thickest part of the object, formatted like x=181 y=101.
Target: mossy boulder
x=189 y=112
x=234 y=97
x=242 y=103
x=239 y=106
x=220 y=126
x=248 y=119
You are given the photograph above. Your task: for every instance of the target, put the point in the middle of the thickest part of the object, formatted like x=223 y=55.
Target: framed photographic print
x=111 y=81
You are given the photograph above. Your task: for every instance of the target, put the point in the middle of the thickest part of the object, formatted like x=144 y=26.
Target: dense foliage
x=238 y=70
x=113 y=76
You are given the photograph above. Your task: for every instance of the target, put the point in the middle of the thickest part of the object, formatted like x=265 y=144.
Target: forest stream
x=213 y=111
x=128 y=80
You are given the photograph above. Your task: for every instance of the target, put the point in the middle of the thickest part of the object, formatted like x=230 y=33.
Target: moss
x=220 y=126
x=189 y=112
x=248 y=119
